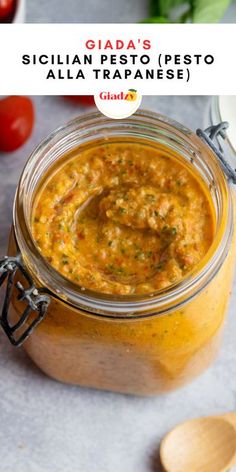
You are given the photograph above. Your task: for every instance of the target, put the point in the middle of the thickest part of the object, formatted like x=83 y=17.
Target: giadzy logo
x=131 y=95
x=118 y=104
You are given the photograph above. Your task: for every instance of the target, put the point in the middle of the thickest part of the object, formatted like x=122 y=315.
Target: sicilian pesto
x=123 y=218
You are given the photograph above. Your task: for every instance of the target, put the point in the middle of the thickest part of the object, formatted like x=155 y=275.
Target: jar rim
x=110 y=305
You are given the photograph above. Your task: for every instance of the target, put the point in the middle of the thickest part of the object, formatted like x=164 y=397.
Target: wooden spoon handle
x=231 y=417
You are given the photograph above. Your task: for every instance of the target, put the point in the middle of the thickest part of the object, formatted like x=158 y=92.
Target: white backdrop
x=214 y=79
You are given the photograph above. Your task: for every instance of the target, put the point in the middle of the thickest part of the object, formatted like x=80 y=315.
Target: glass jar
x=136 y=344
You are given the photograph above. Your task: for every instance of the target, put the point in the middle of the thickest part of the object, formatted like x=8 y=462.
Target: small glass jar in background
x=20 y=11
x=223 y=108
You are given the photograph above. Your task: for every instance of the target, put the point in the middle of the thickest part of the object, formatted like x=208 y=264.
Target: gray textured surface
x=95 y=11
x=89 y=11
x=49 y=427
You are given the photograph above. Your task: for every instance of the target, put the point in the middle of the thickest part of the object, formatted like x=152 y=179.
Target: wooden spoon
x=201 y=445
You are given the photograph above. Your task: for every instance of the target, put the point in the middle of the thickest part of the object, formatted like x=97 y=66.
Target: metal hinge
x=36 y=301
x=213 y=133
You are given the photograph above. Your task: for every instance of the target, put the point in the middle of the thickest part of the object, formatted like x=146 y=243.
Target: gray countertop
x=95 y=11
x=46 y=426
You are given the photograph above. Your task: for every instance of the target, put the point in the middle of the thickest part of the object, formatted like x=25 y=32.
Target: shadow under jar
x=140 y=343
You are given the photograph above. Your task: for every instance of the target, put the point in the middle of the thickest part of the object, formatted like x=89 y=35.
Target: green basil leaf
x=163 y=7
x=156 y=19
x=154 y=8
x=209 y=11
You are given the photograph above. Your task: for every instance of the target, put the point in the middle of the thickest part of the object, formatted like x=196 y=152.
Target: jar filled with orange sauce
x=121 y=254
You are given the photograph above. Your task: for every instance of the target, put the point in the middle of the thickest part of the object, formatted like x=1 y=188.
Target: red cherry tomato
x=85 y=100
x=6 y=8
x=16 y=122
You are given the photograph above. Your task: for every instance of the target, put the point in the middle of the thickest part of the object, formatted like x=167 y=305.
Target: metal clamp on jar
x=36 y=301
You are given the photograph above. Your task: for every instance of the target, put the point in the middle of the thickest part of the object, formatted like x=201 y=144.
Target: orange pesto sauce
x=123 y=217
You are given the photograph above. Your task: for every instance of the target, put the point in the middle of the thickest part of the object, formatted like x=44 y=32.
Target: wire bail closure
x=37 y=302
x=213 y=133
